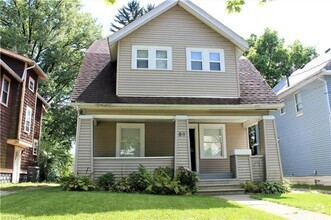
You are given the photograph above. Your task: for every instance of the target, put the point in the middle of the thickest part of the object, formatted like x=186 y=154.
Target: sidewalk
x=277 y=209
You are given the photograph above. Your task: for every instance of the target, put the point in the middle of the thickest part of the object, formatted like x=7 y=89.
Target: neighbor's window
x=283 y=109
x=5 y=86
x=298 y=103
x=212 y=141
x=150 y=57
x=130 y=140
x=28 y=119
x=31 y=84
x=205 y=59
x=35 y=147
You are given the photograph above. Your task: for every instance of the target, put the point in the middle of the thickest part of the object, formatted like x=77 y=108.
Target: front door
x=16 y=165
x=194 y=147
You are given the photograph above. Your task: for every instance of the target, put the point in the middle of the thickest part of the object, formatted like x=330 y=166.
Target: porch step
x=223 y=175
x=221 y=192
x=219 y=187
x=218 y=181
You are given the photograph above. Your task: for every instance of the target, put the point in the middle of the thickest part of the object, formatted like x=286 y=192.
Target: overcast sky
x=304 y=20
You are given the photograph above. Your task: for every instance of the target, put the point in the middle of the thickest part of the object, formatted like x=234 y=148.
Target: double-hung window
x=212 y=141
x=151 y=58
x=130 y=140
x=298 y=103
x=35 y=147
x=28 y=119
x=198 y=59
x=5 y=88
x=31 y=84
x=283 y=109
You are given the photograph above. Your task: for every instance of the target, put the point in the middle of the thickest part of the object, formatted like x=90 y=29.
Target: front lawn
x=311 y=187
x=53 y=203
x=22 y=186
x=309 y=201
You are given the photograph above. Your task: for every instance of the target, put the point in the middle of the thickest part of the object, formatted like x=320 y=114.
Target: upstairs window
x=5 y=88
x=150 y=57
x=298 y=103
x=283 y=109
x=28 y=119
x=31 y=84
x=205 y=60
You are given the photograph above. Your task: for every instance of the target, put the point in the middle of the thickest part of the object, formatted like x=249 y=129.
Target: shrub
x=106 y=181
x=275 y=187
x=77 y=183
x=121 y=185
x=250 y=187
x=139 y=181
x=188 y=179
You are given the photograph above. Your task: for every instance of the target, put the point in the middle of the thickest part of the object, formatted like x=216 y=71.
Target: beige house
x=171 y=89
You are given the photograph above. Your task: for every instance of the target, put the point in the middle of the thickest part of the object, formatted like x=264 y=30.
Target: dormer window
x=31 y=84
x=151 y=58
x=198 y=59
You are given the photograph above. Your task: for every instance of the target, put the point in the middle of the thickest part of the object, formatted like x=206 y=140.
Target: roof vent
x=327 y=50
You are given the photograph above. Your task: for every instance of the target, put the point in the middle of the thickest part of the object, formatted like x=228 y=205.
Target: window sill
x=213 y=158
x=299 y=114
x=6 y=105
x=141 y=69
x=205 y=71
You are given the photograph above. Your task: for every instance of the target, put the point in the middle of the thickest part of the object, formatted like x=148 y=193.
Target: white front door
x=17 y=165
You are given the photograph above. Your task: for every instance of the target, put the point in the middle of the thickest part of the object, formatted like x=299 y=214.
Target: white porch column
x=269 y=147
x=17 y=164
x=182 y=142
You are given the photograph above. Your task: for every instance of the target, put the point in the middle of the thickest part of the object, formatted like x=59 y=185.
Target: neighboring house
x=170 y=89
x=304 y=123
x=21 y=109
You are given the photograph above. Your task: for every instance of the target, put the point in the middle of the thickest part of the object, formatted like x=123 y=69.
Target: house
x=304 y=123
x=170 y=89
x=21 y=109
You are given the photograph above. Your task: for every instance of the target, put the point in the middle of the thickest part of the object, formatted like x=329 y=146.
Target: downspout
x=20 y=117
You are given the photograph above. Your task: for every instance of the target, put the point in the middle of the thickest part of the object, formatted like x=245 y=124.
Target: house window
x=298 y=103
x=28 y=119
x=35 y=147
x=130 y=140
x=153 y=58
x=5 y=88
x=212 y=141
x=31 y=84
x=283 y=109
x=205 y=59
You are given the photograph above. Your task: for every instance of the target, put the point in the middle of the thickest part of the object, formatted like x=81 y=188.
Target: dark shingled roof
x=96 y=83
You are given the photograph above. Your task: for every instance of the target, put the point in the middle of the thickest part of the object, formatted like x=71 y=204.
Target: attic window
x=198 y=59
x=151 y=58
x=31 y=84
x=5 y=88
x=298 y=103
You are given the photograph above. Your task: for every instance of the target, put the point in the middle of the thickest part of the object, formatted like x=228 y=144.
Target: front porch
x=216 y=147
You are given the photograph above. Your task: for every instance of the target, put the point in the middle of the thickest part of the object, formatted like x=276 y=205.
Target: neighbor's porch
x=214 y=147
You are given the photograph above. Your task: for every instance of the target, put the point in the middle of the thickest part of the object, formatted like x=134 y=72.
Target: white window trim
x=298 y=113
x=35 y=149
x=2 y=90
x=212 y=126
x=26 y=120
x=141 y=126
x=205 y=59
x=33 y=82
x=151 y=57
x=280 y=110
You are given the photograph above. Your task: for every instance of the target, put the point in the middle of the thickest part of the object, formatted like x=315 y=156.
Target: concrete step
x=218 y=186
x=222 y=175
x=218 y=181
x=221 y=191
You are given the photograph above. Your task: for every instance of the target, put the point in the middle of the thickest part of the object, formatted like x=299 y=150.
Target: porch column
x=241 y=165
x=182 y=142
x=269 y=147
x=84 y=147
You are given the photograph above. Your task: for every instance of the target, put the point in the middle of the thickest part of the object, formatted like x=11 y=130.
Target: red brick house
x=21 y=109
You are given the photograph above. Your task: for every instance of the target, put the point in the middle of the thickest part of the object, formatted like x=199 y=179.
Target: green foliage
x=77 y=183
x=236 y=5
x=129 y=13
x=275 y=187
x=55 y=34
x=139 y=181
x=122 y=185
x=250 y=187
x=273 y=59
x=187 y=178
x=106 y=181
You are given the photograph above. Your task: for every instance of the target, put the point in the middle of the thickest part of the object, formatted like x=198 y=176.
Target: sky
x=304 y=20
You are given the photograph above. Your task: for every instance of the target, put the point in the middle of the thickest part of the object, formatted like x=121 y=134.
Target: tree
x=55 y=33
x=128 y=14
x=273 y=59
x=236 y=5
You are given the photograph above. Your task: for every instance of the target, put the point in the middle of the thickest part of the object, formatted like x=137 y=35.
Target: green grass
x=311 y=187
x=23 y=186
x=53 y=203
x=317 y=202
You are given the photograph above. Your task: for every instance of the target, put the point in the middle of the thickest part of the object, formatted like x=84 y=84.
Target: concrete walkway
x=277 y=209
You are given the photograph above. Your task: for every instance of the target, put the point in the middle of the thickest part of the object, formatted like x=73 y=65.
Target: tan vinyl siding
x=123 y=167
x=236 y=138
x=159 y=139
x=258 y=168
x=243 y=167
x=273 y=165
x=182 y=156
x=179 y=30
x=84 y=154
